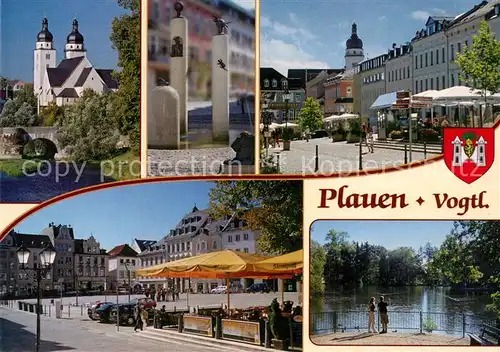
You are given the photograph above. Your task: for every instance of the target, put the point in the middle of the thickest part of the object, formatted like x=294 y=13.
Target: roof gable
x=123 y=250
x=107 y=78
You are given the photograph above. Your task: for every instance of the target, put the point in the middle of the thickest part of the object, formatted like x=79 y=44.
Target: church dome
x=44 y=35
x=75 y=36
x=354 y=42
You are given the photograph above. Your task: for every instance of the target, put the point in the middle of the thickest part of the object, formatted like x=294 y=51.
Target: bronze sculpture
x=221 y=25
x=178 y=7
x=177 y=48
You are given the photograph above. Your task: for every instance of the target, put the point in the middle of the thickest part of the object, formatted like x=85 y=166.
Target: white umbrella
x=349 y=116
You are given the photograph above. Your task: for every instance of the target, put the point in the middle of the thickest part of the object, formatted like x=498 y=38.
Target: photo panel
x=201 y=87
x=213 y=264
x=354 y=95
x=69 y=97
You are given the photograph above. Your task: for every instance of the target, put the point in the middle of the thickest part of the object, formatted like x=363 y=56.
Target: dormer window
x=275 y=83
x=266 y=83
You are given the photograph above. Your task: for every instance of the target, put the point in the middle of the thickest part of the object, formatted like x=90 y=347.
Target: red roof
x=123 y=250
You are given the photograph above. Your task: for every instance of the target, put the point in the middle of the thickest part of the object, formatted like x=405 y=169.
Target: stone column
x=220 y=88
x=179 y=62
x=164 y=123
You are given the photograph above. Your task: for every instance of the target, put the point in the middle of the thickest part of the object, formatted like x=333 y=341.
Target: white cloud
x=283 y=29
x=420 y=15
x=282 y=56
x=247 y=4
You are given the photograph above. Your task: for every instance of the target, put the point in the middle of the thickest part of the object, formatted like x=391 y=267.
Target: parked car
x=126 y=312
x=148 y=303
x=219 y=289
x=258 y=288
x=92 y=310
x=104 y=312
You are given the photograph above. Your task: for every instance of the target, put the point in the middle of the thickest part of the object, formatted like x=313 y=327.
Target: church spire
x=195 y=208
x=354 y=28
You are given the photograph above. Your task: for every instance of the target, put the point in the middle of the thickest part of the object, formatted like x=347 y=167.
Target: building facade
x=399 y=69
x=62 y=238
x=91 y=265
x=15 y=280
x=339 y=93
x=123 y=262
x=372 y=74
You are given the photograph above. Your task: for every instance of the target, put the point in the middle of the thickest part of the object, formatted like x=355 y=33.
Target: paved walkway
x=17 y=334
x=389 y=339
x=335 y=157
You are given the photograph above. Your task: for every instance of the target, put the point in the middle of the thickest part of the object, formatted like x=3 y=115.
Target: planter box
x=338 y=138
x=286 y=145
x=280 y=345
x=352 y=138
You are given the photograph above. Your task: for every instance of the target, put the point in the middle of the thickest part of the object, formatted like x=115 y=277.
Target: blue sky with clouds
x=312 y=33
x=390 y=234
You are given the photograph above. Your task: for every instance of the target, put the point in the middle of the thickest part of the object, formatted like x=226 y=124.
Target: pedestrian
x=177 y=294
x=371 y=316
x=384 y=318
x=369 y=140
x=138 y=317
x=145 y=316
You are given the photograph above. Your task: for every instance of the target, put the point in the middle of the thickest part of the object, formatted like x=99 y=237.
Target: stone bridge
x=34 y=133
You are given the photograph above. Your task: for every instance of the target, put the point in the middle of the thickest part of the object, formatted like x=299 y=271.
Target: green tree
x=311 y=115
x=87 y=132
x=126 y=39
x=316 y=270
x=7 y=115
x=480 y=64
x=24 y=115
x=27 y=95
x=272 y=207
x=20 y=111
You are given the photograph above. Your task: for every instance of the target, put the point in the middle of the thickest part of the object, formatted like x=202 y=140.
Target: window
x=297 y=97
x=400 y=77
x=203 y=245
x=349 y=94
x=266 y=83
x=416 y=62
x=426 y=84
x=122 y=274
x=230 y=238
x=452 y=53
x=432 y=58
x=245 y=250
x=443 y=86
x=437 y=83
x=452 y=80
x=437 y=56
x=238 y=238
x=275 y=83
x=443 y=56
x=214 y=245
x=245 y=237
x=466 y=44
x=121 y=261
x=459 y=47
x=47 y=56
x=421 y=60
x=408 y=72
x=426 y=60
x=432 y=83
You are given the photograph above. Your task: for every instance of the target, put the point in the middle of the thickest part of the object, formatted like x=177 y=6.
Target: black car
x=104 y=312
x=258 y=288
x=126 y=312
x=92 y=310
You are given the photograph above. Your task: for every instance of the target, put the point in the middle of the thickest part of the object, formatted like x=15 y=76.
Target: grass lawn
x=14 y=167
x=124 y=165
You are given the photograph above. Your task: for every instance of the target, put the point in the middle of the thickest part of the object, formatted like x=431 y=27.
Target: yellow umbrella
x=291 y=263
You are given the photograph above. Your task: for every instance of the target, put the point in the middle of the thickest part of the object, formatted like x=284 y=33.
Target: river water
x=55 y=180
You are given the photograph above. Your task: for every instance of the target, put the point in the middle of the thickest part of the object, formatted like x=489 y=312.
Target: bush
x=396 y=134
x=430 y=135
x=39 y=148
x=288 y=134
x=429 y=325
x=354 y=127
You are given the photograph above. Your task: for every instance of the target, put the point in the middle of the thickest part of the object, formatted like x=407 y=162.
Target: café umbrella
x=226 y=264
x=290 y=263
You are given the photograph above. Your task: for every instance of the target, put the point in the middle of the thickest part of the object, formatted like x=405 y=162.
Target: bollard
x=179 y=323
x=175 y=309
x=81 y=310
x=50 y=308
x=316 y=166
x=218 y=327
x=267 y=337
x=425 y=150
x=69 y=310
x=421 y=322
x=278 y=163
x=406 y=154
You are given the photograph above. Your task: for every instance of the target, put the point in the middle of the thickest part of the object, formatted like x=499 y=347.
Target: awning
x=384 y=101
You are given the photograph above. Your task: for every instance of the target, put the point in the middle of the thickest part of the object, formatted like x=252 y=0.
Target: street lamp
x=286 y=97
x=128 y=276
x=47 y=257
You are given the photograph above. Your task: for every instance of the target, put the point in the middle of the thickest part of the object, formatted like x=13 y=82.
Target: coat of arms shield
x=469 y=152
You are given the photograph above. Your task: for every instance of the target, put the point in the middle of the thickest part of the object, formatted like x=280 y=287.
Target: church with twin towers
x=65 y=82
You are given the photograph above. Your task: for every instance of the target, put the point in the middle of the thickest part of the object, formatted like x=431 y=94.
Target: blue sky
x=390 y=234
x=20 y=22
x=312 y=33
x=118 y=215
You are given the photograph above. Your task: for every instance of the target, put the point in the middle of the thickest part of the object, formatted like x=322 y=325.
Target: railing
x=416 y=322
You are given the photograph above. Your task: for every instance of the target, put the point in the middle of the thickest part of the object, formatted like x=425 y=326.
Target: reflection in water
x=415 y=298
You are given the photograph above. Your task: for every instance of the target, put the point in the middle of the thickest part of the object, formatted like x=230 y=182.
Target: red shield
x=469 y=152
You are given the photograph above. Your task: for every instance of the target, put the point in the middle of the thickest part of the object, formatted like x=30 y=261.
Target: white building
x=354 y=53
x=122 y=261
x=64 y=83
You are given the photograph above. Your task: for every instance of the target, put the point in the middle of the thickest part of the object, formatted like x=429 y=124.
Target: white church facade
x=65 y=82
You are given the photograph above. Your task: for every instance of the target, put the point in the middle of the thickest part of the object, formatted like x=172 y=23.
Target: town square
x=209 y=270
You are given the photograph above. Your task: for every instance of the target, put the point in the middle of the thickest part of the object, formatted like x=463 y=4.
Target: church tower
x=354 y=49
x=44 y=56
x=74 y=43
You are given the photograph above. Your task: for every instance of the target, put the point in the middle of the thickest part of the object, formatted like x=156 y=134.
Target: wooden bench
x=489 y=336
